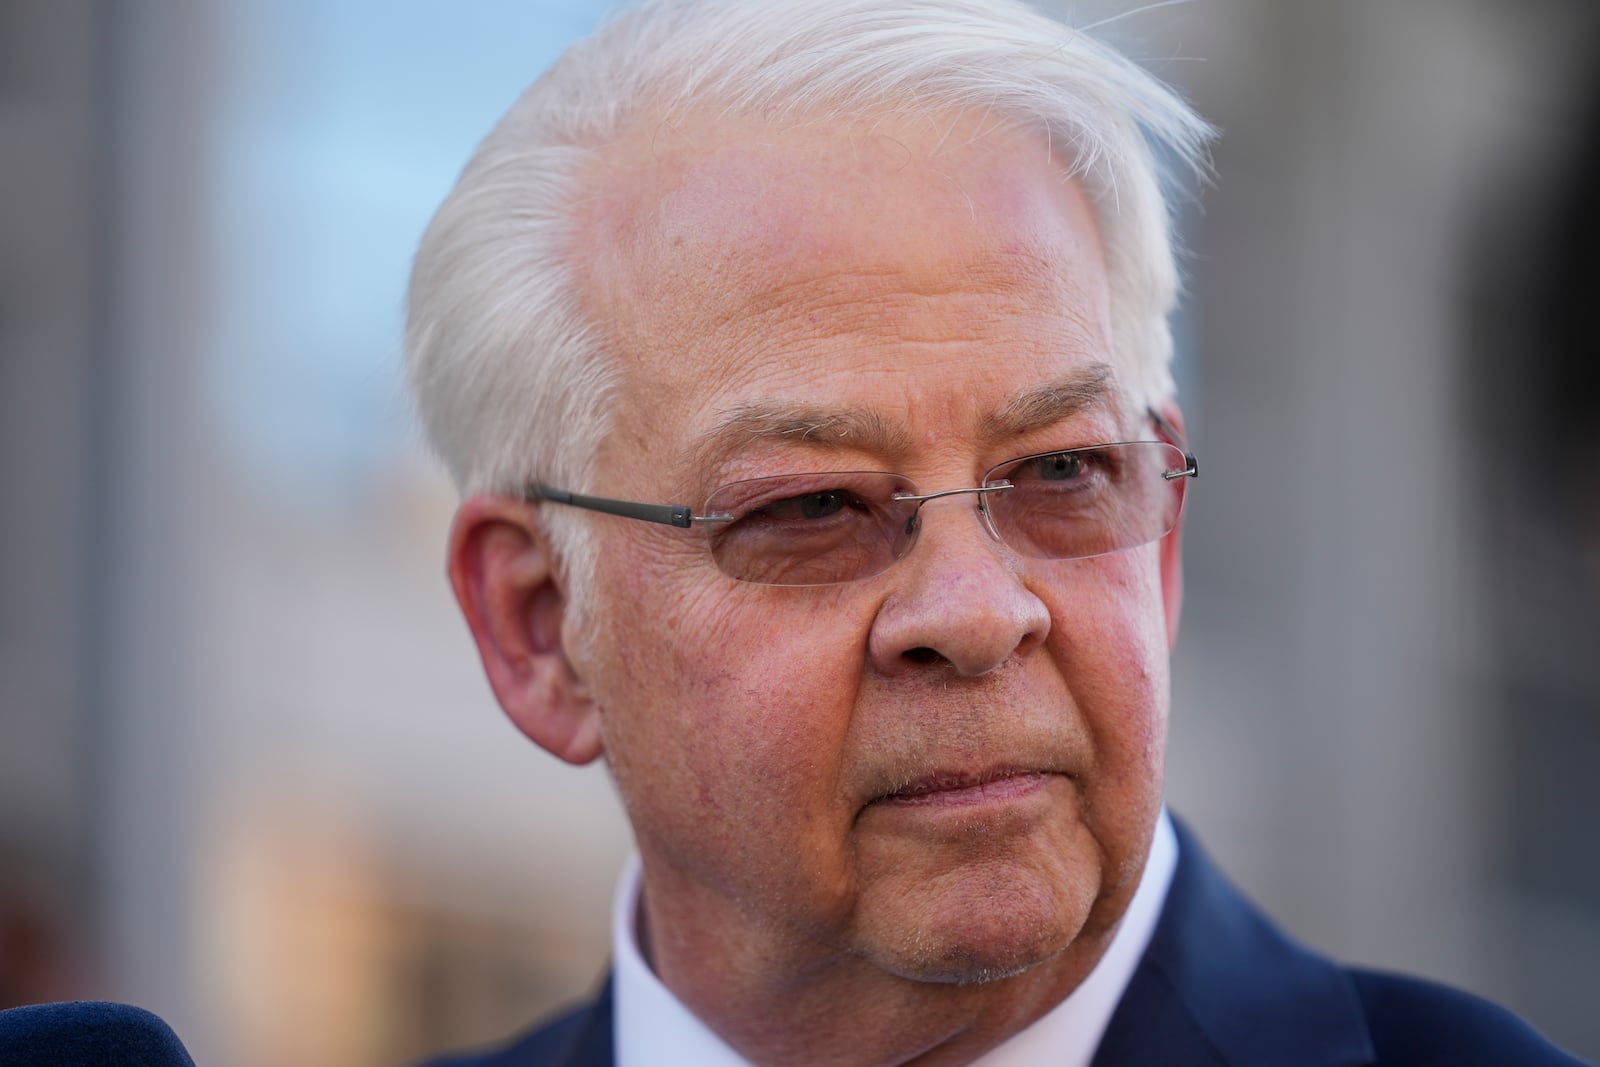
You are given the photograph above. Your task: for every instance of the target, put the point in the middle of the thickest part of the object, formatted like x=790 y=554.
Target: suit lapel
x=593 y=1042
x=1220 y=986
x=580 y=1038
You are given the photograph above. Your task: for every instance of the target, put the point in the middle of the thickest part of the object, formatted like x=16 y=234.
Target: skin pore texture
x=895 y=820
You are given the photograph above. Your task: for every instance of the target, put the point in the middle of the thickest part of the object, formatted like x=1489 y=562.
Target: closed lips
x=965 y=787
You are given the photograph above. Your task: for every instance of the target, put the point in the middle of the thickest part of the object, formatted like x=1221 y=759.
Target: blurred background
x=250 y=776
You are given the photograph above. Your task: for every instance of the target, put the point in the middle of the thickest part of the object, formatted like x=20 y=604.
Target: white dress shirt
x=654 y=1029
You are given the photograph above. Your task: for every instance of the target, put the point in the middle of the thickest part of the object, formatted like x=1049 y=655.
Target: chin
x=978 y=936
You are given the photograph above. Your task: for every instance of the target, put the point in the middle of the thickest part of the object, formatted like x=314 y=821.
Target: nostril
x=922 y=654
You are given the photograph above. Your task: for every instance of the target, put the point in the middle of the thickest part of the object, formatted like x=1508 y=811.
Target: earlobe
x=506 y=581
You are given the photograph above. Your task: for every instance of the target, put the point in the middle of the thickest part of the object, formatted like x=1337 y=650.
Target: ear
x=506 y=581
x=1172 y=545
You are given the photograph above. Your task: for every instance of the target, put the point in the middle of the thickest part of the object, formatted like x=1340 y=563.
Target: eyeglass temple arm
x=1170 y=432
x=665 y=514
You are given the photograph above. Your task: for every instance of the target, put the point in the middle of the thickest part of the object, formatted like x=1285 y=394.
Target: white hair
x=510 y=379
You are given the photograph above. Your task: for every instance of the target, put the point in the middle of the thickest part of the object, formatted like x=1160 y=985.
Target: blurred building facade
x=250 y=775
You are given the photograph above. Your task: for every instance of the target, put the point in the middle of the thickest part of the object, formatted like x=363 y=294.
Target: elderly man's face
x=948 y=771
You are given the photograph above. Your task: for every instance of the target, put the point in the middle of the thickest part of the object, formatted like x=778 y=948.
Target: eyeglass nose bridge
x=918 y=499
x=922 y=498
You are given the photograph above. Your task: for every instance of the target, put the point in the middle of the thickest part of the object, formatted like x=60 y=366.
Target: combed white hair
x=511 y=381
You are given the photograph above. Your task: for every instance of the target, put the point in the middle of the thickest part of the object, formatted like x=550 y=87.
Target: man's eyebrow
x=1083 y=389
x=865 y=430
x=857 y=429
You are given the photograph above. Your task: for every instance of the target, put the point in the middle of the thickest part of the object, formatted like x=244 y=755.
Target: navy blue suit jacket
x=1219 y=986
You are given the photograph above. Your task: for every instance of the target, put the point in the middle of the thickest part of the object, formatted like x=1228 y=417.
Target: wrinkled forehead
x=728 y=240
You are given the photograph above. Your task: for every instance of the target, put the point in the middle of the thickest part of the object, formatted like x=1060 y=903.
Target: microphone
x=88 y=1033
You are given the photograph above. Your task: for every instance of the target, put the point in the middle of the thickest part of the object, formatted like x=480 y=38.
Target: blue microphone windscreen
x=88 y=1033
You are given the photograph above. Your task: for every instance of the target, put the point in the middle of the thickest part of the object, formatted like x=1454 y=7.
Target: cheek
x=1109 y=635
x=724 y=704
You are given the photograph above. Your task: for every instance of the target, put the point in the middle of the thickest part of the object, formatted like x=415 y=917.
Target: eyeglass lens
x=821 y=529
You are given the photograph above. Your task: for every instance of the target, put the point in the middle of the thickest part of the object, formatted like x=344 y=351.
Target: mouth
x=960 y=788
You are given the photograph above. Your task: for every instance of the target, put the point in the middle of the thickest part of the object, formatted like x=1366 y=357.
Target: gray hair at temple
x=512 y=381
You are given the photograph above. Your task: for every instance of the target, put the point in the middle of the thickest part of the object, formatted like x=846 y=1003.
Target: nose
x=956 y=599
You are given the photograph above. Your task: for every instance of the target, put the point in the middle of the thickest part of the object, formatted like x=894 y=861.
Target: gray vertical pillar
x=1329 y=551
x=151 y=528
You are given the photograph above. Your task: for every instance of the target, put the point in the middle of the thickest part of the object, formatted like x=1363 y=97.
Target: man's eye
x=1060 y=467
x=818 y=505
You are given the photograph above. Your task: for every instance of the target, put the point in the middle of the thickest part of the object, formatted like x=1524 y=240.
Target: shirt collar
x=654 y=1029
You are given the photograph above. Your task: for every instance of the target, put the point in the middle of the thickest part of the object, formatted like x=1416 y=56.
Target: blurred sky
x=333 y=136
